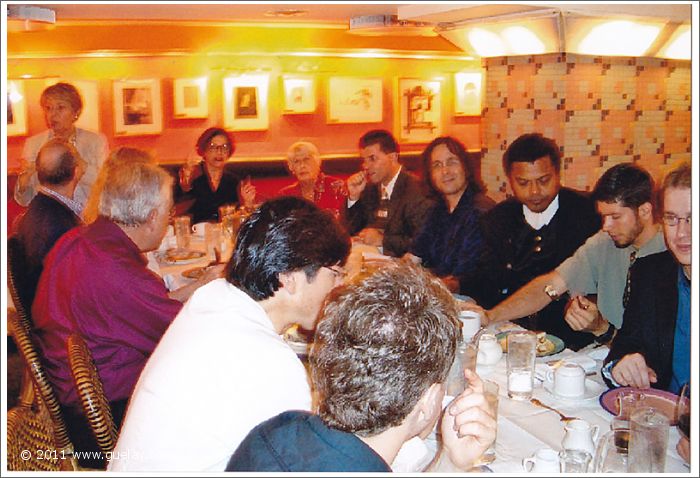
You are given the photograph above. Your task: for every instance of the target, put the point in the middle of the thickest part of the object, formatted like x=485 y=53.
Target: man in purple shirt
x=95 y=282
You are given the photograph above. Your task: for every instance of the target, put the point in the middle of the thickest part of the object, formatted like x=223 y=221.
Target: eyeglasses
x=299 y=161
x=673 y=220
x=338 y=272
x=219 y=148
x=451 y=163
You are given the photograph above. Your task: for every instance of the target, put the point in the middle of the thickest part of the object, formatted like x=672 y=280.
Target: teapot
x=580 y=435
x=490 y=350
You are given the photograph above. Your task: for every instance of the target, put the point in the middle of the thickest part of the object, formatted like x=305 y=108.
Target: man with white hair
x=95 y=282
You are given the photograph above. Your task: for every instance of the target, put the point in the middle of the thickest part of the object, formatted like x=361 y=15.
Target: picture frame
x=246 y=102
x=89 y=92
x=190 y=97
x=355 y=100
x=468 y=93
x=420 y=113
x=137 y=107
x=16 y=108
x=299 y=94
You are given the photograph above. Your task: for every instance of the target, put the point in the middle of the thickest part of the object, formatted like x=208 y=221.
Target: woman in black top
x=205 y=181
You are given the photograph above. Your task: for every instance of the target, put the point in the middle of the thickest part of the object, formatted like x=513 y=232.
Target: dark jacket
x=300 y=442
x=515 y=253
x=44 y=222
x=408 y=209
x=649 y=323
x=205 y=202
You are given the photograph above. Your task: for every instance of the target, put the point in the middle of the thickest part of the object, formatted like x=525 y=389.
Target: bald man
x=51 y=213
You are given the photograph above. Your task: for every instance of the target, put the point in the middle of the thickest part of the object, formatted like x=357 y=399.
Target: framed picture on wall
x=418 y=104
x=299 y=94
x=137 y=107
x=190 y=98
x=90 y=116
x=468 y=93
x=246 y=102
x=354 y=100
x=16 y=108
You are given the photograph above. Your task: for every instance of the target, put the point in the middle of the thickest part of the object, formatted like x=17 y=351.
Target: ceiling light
x=388 y=25
x=616 y=37
x=678 y=46
x=289 y=12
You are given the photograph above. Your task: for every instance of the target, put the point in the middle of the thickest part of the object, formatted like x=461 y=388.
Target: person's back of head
x=57 y=163
x=283 y=235
x=380 y=343
x=385 y=140
x=625 y=183
x=131 y=191
x=529 y=148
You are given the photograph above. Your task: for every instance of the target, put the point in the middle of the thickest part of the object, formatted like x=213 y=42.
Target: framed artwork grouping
x=246 y=102
x=137 y=107
x=355 y=100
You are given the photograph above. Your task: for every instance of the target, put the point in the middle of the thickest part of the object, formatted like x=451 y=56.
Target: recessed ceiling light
x=289 y=12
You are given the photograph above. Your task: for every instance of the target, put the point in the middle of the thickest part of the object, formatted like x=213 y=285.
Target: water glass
x=182 y=227
x=465 y=358
x=212 y=235
x=648 y=440
x=491 y=394
x=612 y=452
x=521 y=364
x=627 y=402
x=574 y=461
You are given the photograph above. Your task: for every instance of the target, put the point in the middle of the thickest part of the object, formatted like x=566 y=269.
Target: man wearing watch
x=624 y=199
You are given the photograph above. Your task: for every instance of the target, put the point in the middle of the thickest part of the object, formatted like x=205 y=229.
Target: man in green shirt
x=600 y=266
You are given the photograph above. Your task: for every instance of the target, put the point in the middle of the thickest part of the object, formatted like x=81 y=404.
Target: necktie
x=626 y=295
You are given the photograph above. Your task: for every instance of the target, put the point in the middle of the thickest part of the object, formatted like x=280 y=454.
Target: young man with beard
x=600 y=267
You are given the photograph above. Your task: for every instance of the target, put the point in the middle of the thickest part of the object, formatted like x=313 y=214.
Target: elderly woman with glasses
x=62 y=105
x=206 y=182
x=304 y=162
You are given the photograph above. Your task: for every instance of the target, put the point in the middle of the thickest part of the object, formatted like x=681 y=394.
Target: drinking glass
x=648 y=440
x=212 y=234
x=491 y=394
x=465 y=358
x=182 y=227
x=683 y=411
x=627 y=402
x=574 y=461
x=612 y=453
x=521 y=364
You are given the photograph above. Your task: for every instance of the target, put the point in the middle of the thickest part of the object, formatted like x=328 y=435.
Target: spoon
x=563 y=417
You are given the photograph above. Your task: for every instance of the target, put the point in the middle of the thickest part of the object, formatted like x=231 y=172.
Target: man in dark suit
x=51 y=213
x=653 y=346
x=386 y=205
x=532 y=233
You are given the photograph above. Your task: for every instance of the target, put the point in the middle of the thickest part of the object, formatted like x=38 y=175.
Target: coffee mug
x=569 y=380
x=199 y=229
x=471 y=323
x=545 y=460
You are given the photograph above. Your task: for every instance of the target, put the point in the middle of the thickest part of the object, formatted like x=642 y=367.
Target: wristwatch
x=551 y=292
x=607 y=336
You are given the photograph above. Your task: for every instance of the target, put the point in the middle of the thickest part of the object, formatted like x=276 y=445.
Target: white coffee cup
x=569 y=380
x=471 y=323
x=545 y=460
x=199 y=229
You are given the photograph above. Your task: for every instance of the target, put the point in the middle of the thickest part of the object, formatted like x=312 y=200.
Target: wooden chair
x=89 y=386
x=37 y=421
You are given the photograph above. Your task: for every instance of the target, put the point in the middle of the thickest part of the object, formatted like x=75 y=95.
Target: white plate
x=593 y=390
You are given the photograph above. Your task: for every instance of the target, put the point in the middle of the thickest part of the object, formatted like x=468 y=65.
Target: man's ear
x=646 y=210
x=430 y=408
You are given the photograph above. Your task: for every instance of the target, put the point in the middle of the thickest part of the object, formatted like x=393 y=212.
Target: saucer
x=593 y=390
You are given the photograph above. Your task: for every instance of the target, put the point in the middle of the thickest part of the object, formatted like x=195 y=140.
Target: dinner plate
x=195 y=272
x=659 y=399
x=592 y=390
x=173 y=256
x=556 y=341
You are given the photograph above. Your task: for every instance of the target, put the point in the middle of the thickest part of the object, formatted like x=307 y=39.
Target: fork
x=563 y=417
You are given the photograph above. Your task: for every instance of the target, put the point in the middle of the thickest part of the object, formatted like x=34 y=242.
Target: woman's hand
x=248 y=193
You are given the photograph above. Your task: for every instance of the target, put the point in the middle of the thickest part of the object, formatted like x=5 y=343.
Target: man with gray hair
x=95 y=282
x=51 y=214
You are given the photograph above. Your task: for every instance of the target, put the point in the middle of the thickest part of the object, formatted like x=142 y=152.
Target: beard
x=630 y=237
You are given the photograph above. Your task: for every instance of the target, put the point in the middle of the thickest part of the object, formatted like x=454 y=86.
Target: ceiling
x=340 y=14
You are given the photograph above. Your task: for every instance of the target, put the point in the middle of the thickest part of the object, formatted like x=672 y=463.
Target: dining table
x=524 y=427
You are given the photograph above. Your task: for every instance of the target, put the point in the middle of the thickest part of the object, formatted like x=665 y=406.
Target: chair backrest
x=19 y=325
x=92 y=397
x=14 y=261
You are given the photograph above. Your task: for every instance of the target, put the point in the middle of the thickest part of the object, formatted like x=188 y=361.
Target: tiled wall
x=600 y=110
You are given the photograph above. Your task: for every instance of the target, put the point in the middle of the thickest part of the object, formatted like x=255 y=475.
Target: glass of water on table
x=521 y=364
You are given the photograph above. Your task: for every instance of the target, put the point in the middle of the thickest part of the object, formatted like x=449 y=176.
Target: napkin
x=599 y=353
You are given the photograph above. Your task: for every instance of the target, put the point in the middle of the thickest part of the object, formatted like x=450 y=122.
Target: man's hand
x=683 y=449
x=468 y=427
x=371 y=237
x=583 y=315
x=632 y=371
x=356 y=184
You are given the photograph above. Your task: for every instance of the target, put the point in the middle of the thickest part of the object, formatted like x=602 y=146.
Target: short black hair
x=529 y=148
x=382 y=137
x=457 y=148
x=626 y=183
x=285 y=234
x=208 y=134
